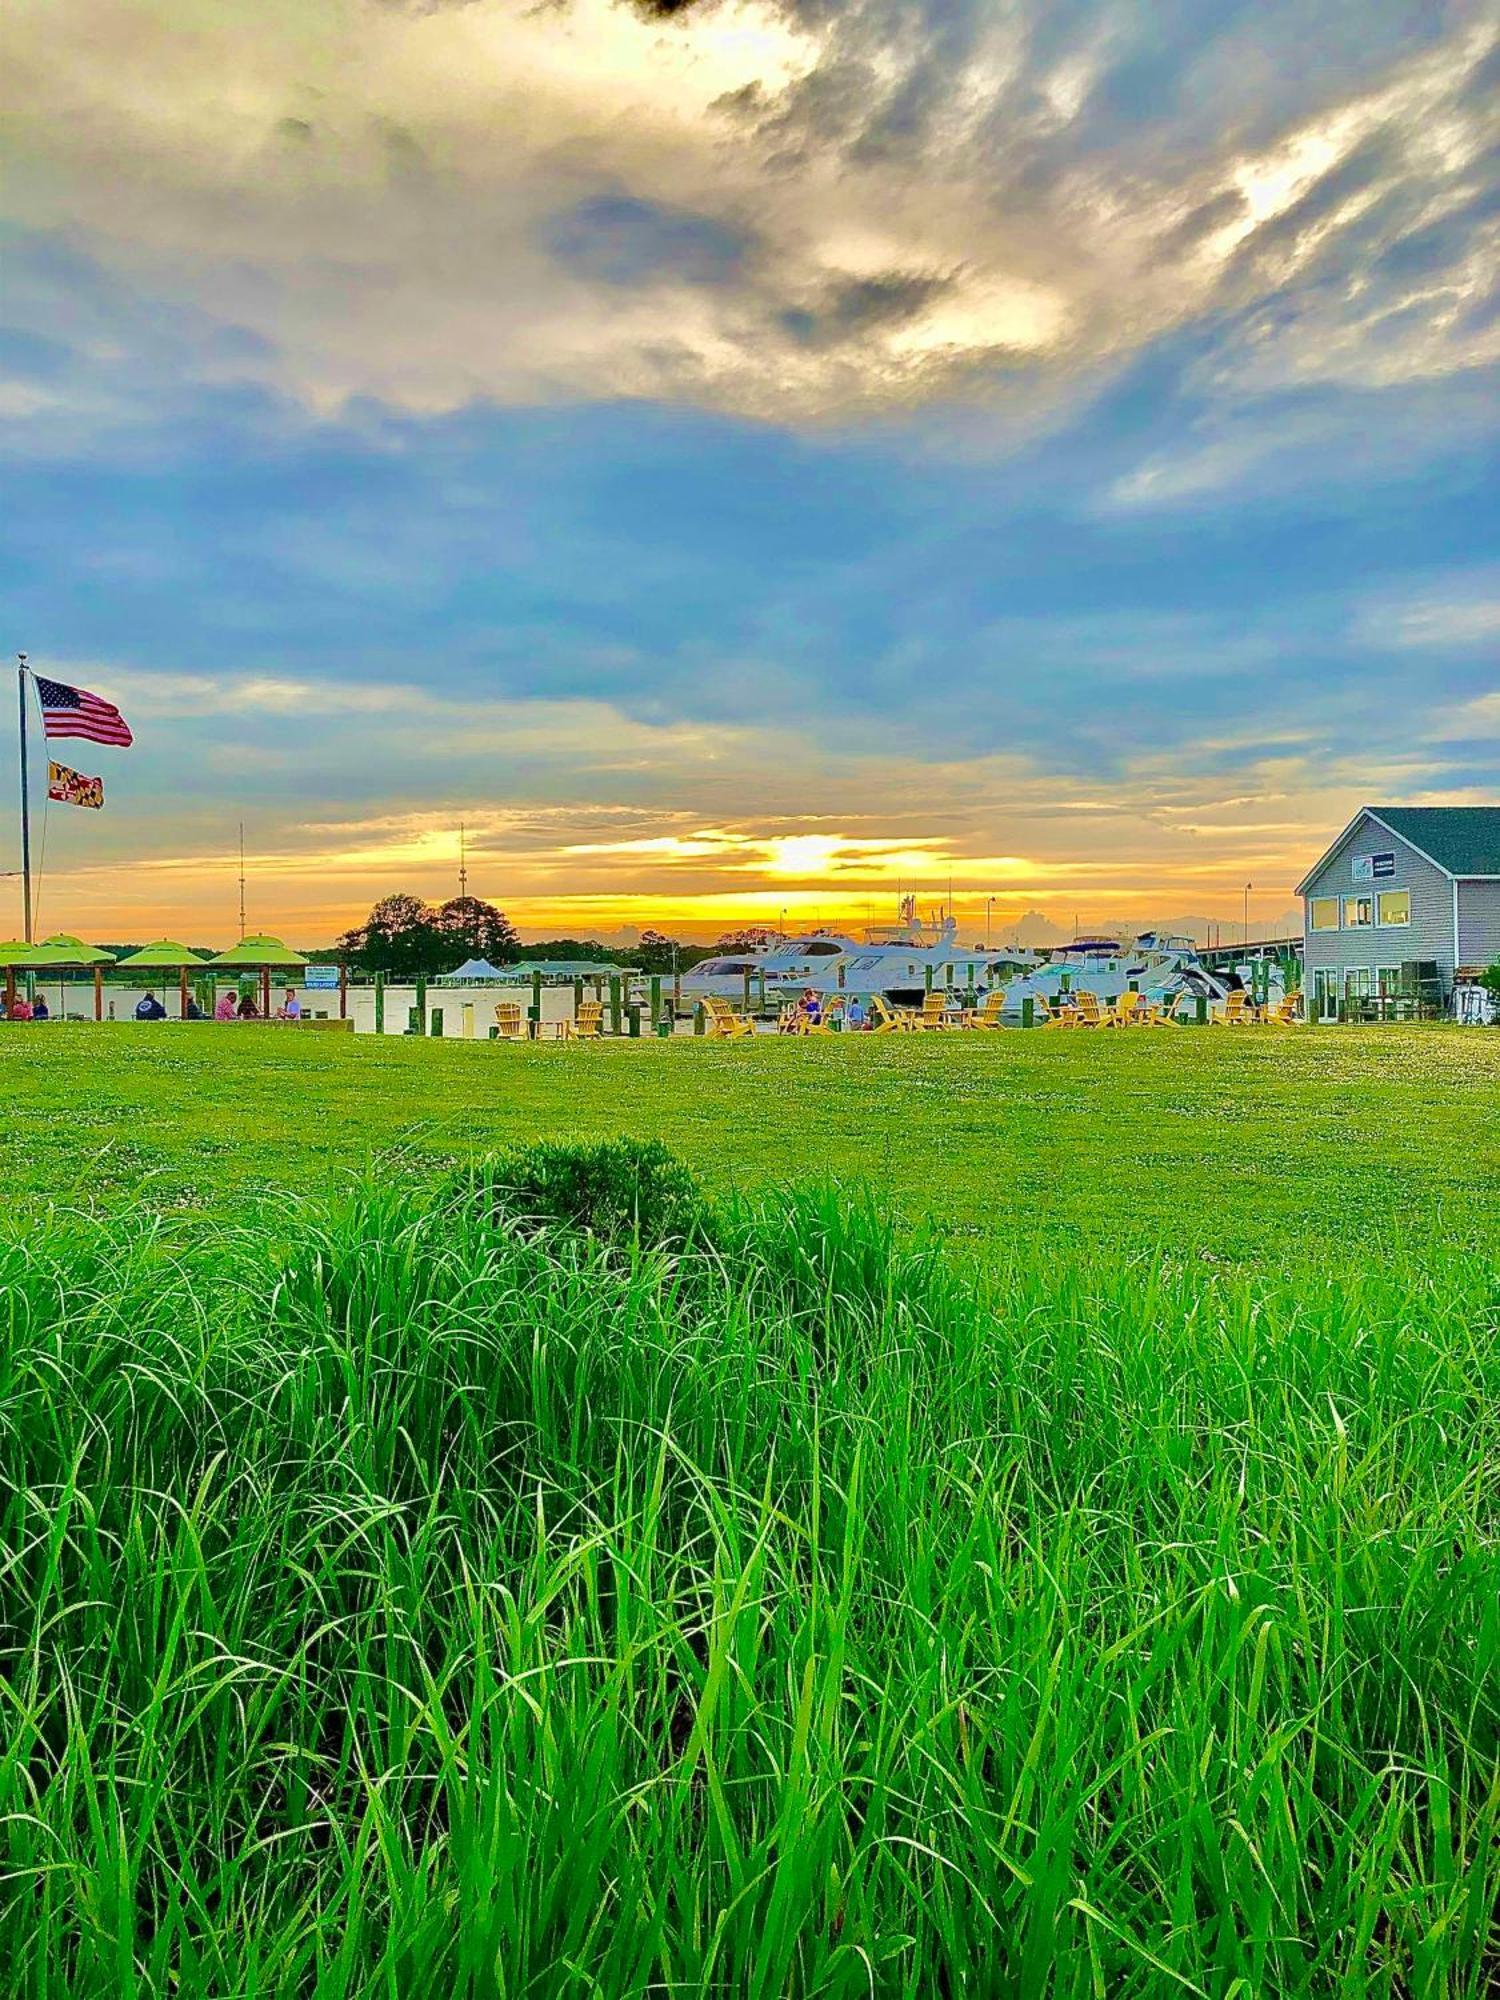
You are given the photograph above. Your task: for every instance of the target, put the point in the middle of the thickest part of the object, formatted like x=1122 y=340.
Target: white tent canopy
x=472 y=972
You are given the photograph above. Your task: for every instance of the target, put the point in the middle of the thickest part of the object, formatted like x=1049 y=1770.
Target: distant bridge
x=1220 y=955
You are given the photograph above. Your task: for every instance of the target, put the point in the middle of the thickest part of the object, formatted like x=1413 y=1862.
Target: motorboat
x=1162 y=966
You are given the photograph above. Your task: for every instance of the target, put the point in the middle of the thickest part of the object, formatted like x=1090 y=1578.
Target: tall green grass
x=417 y=1603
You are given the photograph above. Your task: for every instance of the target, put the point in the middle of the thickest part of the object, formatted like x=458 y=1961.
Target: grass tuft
x=391 y=1603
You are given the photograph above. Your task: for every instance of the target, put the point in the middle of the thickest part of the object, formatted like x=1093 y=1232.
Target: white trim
x=1455 y=924
x=1319 y=865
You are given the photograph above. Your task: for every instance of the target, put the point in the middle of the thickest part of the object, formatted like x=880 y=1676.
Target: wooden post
x=98 y=992
x=577 y=998
x=182 y=990
x=1065 y=982
x=437 y=1022
x=10 y=991
x=343 y=991
x=614 y=1003
x=380 y=1003
x=1028 y=1012
x=1200 y=1010
x=927 y=975
x=265 y=993
x=760 y=991
x=536 y=1006
x=421 y=1008
x=700 y=1020
x=745 y=1002
x=655 y=1000
x=676 y=992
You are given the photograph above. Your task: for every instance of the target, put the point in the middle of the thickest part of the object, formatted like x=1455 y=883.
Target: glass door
x=1325 y=995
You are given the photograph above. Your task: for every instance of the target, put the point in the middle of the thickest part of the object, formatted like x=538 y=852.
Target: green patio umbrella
x=166 y=955
x=63 y=952
x=261 y=954
x=16 y=956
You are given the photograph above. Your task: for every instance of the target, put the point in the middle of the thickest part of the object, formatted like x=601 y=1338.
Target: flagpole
x=25 y=796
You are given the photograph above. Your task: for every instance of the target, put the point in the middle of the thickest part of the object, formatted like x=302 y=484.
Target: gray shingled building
x=1401 y=886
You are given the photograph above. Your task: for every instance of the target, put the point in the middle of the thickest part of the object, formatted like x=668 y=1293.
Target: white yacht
x=793 y=961
x=1163 y=967
x=902 y=962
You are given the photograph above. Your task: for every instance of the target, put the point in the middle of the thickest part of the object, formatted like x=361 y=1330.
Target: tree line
x=406 y=937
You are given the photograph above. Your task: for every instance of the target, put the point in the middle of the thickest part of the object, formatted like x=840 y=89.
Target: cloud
x=799 y=212
x=1456 y=614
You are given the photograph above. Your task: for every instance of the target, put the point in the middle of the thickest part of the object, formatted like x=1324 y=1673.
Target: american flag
x=69 y=711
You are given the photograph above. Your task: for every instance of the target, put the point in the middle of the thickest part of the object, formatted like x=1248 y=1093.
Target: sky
x=744 y=461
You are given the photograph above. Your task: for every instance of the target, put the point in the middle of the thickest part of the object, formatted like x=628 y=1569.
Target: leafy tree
x=480 y=929
x=400 y=936
x=754 y=937
x=655 y=952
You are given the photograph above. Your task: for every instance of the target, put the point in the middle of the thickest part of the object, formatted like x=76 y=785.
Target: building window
x=1394 y=906
x=1323 y=913
x=1359 y=912
x=1387 y=980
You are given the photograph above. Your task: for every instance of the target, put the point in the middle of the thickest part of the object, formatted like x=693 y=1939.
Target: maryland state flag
x=72 y=788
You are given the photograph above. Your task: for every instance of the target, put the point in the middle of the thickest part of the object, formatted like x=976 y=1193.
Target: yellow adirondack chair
x=509 y=1021
x=1285 y=1013
x=1089 y=1013
x=987 y=1016
x=588 y=1024
x=885 y=1019
x=723 y=1023
x=1149 y=1014
x=934 y=1012
x=1237 y=1011
x=1122 y=1012
x=793 y=1021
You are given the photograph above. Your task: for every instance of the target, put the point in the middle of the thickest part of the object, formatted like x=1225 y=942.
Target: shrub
x=615 y=1189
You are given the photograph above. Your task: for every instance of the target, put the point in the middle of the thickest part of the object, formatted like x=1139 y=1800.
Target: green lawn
x=1258 y=1145
x=407 y=1591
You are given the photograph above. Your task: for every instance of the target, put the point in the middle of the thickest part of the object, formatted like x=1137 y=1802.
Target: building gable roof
x=1461 y=840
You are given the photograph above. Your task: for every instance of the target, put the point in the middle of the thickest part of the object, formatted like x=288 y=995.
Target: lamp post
x=1248 y=887
x=989 y=905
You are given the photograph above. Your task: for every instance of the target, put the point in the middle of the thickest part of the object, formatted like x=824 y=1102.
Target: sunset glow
x=749 y=463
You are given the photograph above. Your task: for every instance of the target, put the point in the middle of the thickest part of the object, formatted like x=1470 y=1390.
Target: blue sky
x=753 y=461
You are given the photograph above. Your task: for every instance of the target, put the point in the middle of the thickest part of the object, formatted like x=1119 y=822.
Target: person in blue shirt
x=149 y=1008
x=854 y=1011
